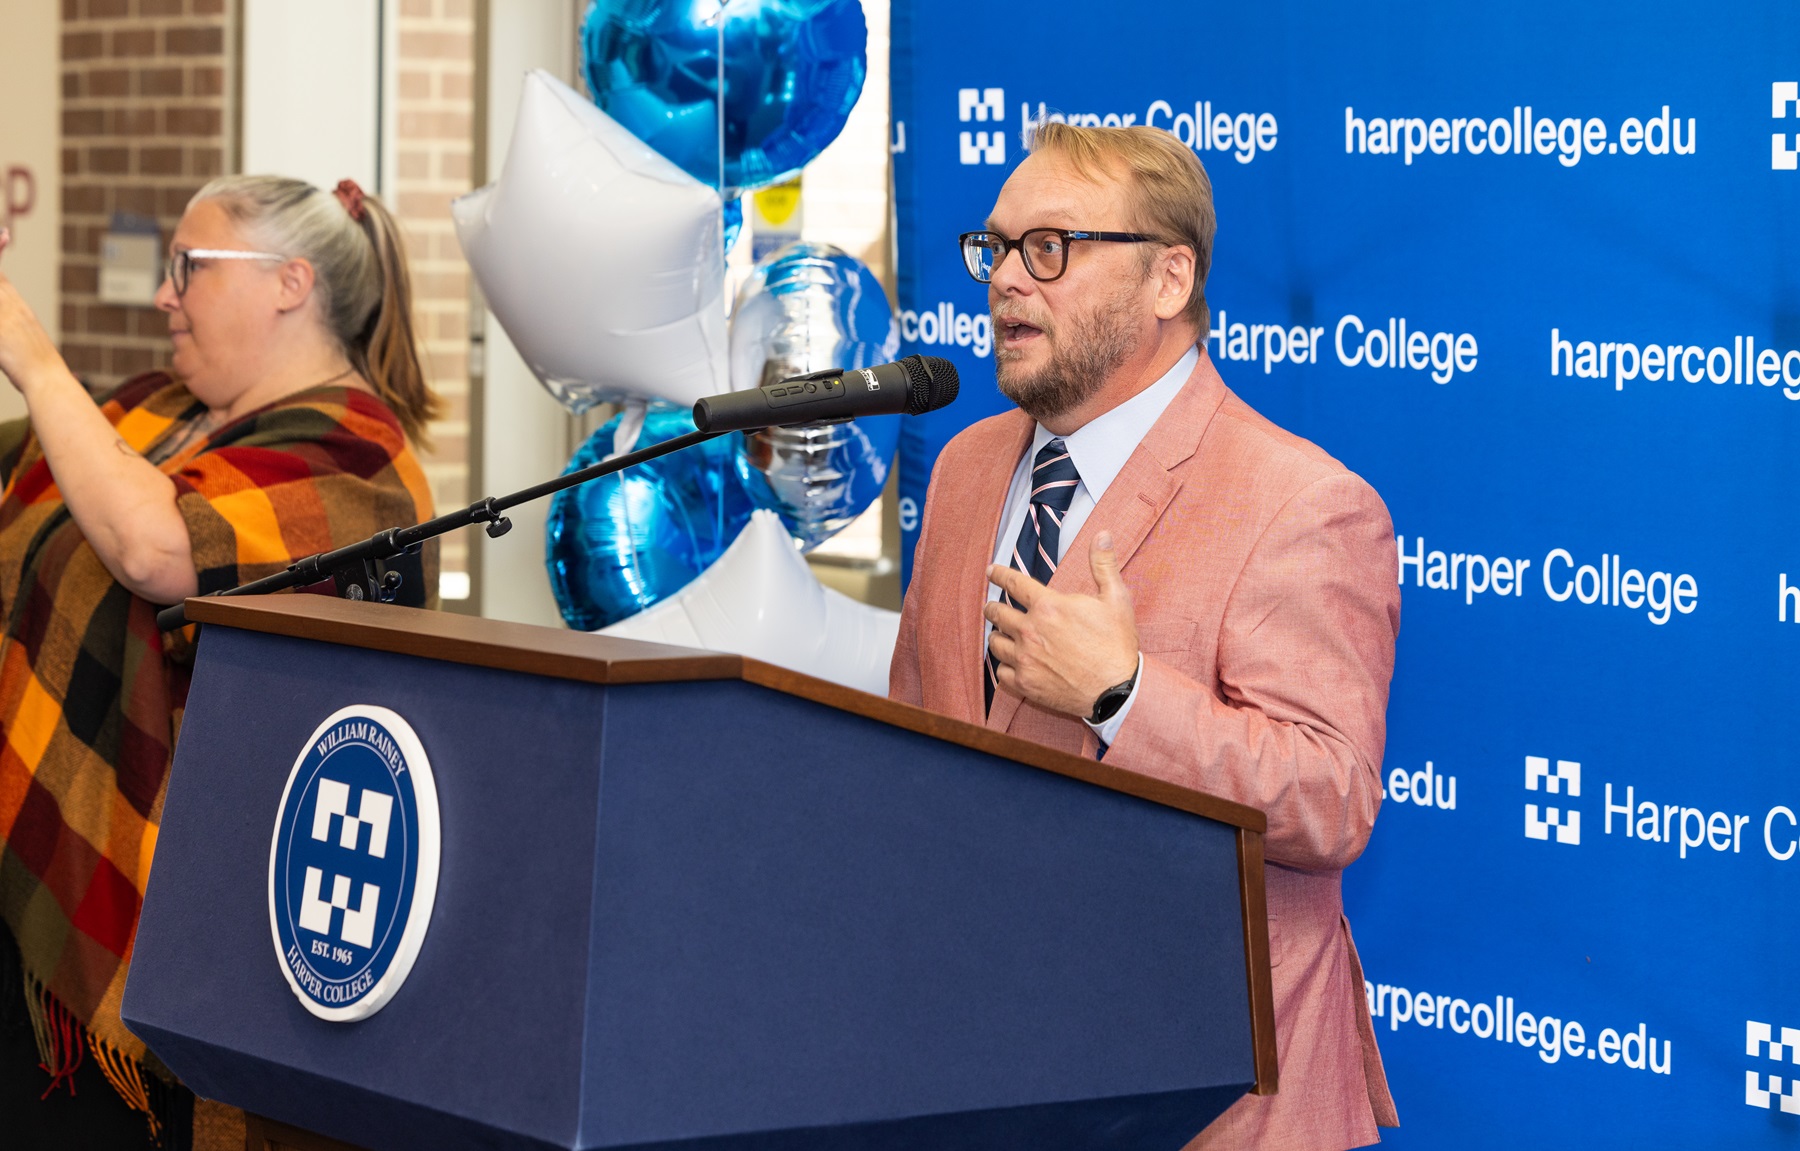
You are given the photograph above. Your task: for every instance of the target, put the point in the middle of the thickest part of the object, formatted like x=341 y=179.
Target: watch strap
x=1111 y=700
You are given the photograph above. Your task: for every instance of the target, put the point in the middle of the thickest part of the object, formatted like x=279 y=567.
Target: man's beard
x=1086 y=350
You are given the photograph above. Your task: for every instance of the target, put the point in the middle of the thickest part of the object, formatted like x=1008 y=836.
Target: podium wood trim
x=1256 y=954
x=606 y=660
x=262 y=1134
x=573 y=655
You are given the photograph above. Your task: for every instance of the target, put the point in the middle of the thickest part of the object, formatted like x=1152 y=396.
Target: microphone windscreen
x=931 y=383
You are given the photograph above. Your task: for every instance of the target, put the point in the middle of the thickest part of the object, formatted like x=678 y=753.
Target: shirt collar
x=1100 y=447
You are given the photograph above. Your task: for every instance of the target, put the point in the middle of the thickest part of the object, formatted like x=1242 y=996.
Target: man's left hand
x=1058 y=650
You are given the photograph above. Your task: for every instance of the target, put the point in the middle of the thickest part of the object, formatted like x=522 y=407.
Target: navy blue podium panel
x=700 y=912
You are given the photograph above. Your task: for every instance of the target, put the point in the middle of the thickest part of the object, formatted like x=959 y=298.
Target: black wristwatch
x=1111 y=700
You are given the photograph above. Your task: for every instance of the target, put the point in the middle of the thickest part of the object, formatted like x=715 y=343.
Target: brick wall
x=145 y=122
x=148 y=117
x=434 y=107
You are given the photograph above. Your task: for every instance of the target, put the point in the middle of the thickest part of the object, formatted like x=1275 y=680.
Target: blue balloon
x=733 y=215
x=617 y=545
x=793 y=71
x=806 y=308
x=820 y=477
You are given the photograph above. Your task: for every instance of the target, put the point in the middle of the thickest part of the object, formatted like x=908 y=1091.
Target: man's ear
x=296 y=279
x=1174 y=274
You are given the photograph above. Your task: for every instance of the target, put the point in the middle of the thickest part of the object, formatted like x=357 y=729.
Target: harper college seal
x=353 y=867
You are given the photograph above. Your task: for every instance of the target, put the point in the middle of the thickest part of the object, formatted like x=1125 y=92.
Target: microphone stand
x=353 y=569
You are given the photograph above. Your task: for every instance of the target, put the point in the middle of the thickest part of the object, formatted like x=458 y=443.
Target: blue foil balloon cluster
x=618 y=544
x=793 y=70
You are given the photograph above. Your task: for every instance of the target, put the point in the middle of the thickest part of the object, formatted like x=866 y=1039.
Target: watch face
x=1110 y=701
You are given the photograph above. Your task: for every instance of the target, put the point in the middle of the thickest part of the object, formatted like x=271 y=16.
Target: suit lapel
x=992 y=477
x=1130 y=508
x=1137 y=498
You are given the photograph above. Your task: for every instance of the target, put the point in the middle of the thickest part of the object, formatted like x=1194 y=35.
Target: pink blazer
x=1264 y=583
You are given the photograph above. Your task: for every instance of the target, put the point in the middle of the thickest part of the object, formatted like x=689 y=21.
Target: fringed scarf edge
x=62 y=1043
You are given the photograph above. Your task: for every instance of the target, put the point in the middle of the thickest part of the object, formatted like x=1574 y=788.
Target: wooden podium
x=689 y=900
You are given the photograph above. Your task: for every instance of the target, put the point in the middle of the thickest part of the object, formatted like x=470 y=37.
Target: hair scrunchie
x=351 y=196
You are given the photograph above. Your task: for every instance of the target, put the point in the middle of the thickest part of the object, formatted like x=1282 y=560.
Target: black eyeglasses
x=181 y=264
x=1044 y=250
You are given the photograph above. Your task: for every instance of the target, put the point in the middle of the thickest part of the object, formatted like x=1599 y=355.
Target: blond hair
x=359 y=273
x=1170 y=195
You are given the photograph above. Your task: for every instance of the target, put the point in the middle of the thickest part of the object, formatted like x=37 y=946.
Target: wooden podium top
x=563 y=654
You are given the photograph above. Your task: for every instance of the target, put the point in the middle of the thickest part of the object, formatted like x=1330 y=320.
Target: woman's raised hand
x=24 y=344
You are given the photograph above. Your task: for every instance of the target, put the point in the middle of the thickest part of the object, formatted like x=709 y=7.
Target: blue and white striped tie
x=1053 y=483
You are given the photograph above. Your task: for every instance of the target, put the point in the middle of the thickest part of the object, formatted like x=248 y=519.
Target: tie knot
x=1053 y=477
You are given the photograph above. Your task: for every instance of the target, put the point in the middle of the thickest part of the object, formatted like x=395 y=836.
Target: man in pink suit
x=1226 y=615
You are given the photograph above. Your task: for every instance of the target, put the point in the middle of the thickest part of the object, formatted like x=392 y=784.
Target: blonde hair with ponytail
x=359 y=272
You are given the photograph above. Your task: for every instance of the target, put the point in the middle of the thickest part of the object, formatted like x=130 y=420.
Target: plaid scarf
x=91 y=692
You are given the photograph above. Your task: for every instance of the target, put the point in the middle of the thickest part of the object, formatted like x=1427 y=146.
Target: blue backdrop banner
x=1534 y=272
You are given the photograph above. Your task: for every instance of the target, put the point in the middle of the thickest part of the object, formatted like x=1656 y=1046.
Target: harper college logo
x=1785 y=95
x=1765 y=1090
x=353 y=867
x=1565 y=779
x=982 y=104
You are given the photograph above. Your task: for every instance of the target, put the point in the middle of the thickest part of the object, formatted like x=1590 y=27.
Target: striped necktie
x=1053 y=483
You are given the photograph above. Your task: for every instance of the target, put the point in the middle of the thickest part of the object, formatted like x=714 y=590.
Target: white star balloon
x=732 y=607
x=602 y=260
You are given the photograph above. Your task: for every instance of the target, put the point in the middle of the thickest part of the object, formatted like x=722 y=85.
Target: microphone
x=914 y=385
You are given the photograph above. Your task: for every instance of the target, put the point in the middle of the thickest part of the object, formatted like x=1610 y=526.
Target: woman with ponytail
x=282 y=428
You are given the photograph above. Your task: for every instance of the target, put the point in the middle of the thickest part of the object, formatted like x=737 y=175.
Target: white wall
x=846 y=186
x=312 y=90
x=29 y=161
x=524 y=432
